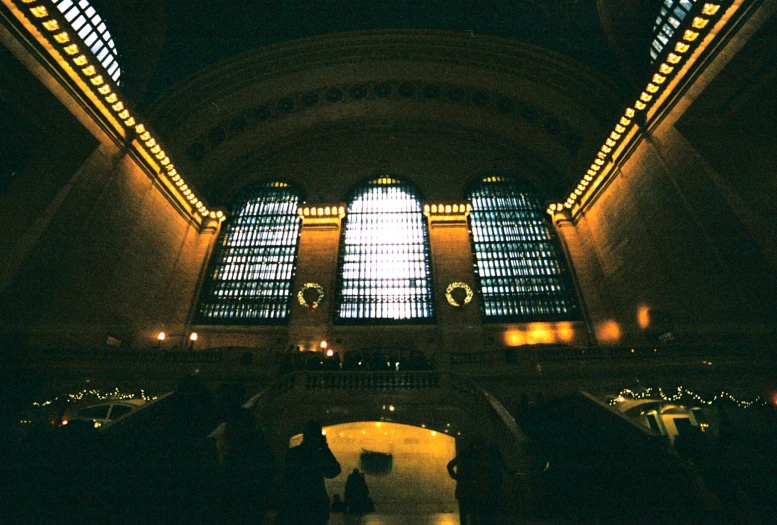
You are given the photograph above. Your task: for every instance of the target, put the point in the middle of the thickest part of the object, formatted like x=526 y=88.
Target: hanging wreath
x=458 y=285
x=310 y=286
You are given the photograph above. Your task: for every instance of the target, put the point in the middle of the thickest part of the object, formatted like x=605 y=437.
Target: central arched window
x=522 y=272
x=384 y=264
x=250 y=277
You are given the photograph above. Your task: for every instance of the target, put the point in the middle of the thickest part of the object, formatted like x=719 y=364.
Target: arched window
x=250 y=276
x=520 y=266
x=669 y=17
x=91 y=29
x=384 y=261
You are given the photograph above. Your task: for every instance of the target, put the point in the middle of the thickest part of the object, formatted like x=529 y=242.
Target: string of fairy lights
x=75 y=57
x=99 y=395
x=687 y=37
x=680 y=392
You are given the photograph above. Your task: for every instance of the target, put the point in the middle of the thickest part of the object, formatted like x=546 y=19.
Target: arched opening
x=404 y=465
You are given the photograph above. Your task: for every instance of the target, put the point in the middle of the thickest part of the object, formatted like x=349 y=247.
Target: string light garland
x=681 y=391
x=688 y=36
x=97 y=394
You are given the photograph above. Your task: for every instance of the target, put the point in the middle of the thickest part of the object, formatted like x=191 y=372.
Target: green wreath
x=310 y=286
x=454 y=286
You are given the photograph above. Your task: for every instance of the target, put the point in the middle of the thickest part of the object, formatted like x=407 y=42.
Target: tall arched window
x=250 y=276
x=520 y=266
x=669 y=17
x=385 y=268
x=90 y=27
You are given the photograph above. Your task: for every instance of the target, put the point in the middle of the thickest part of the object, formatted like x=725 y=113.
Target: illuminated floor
x=396 y=519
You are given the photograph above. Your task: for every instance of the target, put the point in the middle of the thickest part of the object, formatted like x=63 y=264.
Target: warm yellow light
x=166 y=162
x=140 y=128
x=434 y=208
x=699 y=22
x=330 y=353
x=680 y=47
x=690 y=36
x=590 y=173
x=455 y=208
x=588 y=178
x=619 y=128
x=710 y=9
x=599 y=162
x=110 y=99
x=658 y=79
x=625 y=121
x=673 y=59
x=427 y=208
x=640 y=105
x=629 y=112
x=595 y=167
x=606 y=148
x=104 y=90
x=651 y=88
x=324 y=344
x=39 y=12
x=51 y=25
x=62 y=37
x=552 y=206
x=565 y=332
x=213 y=215
x=98 y=81
x=219 y=214
x=615 y=136
x=643 y=316
x=130 y=122
x=80 y=60
x=609 y=332
x=578 y=191
x=610 y=143
x=665 y=69
x=124 y=114
x=187 y=192
x=193 y=336
x=156 y=149
x=601 y=155
x=162 y=336
x=118 y=106
x=160 y=155
x=172 y=173
x=645 y=97
x=89 y=71
x=72 y=49
x=341 y=210
x=448 y=208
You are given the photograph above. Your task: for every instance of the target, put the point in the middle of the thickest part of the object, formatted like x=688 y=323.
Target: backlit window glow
x=522 y=274
x=91 y=29
x=672 y=13
x=251 y=277
x=384 y=255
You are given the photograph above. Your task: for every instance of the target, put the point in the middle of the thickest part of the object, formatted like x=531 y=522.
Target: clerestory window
x=384 y=262
x=92 y=31
x=672 y=13
x=520 y=266
x=250 y=277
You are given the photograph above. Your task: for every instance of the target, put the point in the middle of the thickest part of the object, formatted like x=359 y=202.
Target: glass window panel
x=249 y=280
x=519 y=263
x=670 y=16
x=76 y=15
x=384 y=261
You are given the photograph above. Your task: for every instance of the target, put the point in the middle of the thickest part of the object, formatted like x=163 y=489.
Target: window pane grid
x=250 y=280
x=668 y=20
x=517 y=260
x=384 y=256
x=79 y=15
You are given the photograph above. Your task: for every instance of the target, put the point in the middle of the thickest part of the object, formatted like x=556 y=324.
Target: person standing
x=306 y=500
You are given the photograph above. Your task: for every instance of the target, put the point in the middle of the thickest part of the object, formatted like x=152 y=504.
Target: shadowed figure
x=478 y=473
x=305 y=499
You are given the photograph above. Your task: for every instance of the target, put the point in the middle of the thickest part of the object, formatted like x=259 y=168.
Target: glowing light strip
x=306 y=212
x=682 y=391
x=79 y=61
x=687 y=37
x=444 y=209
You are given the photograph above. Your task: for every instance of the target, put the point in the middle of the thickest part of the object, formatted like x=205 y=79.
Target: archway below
x=416 y=482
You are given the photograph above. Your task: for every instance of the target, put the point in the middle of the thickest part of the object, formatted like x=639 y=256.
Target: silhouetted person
x=357 y=494
x=306 y=501
x=478 y=473
x=247 y=465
